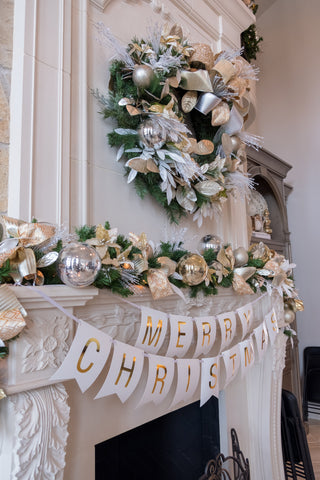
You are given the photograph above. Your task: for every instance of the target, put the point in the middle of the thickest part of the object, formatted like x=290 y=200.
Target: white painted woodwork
x=36 y=412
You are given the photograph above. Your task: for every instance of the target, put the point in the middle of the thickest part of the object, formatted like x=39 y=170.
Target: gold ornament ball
x=241 y=256
x=289 y=315
x=142 y=76
x=193 y=269
x=209 y=242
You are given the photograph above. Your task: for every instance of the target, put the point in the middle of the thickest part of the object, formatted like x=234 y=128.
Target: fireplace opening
x=175 y=446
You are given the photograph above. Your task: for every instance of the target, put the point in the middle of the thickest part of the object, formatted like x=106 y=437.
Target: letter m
x=153 y=337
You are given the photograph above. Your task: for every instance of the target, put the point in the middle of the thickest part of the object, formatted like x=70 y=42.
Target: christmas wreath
x=179 y=111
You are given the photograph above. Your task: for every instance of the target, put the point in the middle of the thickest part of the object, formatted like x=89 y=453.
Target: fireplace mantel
x=38 y=415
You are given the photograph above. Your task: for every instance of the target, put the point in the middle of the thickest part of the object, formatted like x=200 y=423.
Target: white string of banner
x=91 y=348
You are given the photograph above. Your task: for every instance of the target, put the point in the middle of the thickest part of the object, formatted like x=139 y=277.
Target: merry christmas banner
x=185 y=337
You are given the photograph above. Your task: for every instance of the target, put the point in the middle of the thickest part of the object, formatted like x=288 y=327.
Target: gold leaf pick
x=299 y=304
x=133 y=110
x=220 y=115
x=208 y=188
x=138 y=164
x=204 y=147
x=151 y=166
x=189 y=101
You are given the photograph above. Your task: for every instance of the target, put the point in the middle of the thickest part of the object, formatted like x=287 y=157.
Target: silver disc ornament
x=142 y=76
x=193 y=269
x=152 y=134
x=210 y=242
x=78 y=265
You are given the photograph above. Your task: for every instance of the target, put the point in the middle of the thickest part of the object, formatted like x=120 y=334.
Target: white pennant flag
x=124 y=373
x=153 y=330
x=188 y=371
x=272 y=325
x=228 y=325
x=246 y=354
x=206 y=334
x=181 y=335
x=86 y=358
x=246 y=317
x=210 y=371
x=160 y=377
x=262 y=339
x=232 y=362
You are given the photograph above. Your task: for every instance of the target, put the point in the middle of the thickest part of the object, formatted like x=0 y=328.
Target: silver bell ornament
x=209 y=242
x=78 y=265
x=152 y=134
x=142 y=76
x=241 y=256
x=192 y=268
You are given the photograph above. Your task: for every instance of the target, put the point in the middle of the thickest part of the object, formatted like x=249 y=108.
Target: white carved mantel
x=44 y=433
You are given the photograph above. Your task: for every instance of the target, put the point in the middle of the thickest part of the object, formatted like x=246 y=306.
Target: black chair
x=296 y=455
x=216 y=468
x=311 y=381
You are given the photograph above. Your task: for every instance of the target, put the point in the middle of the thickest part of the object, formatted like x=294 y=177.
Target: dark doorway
x=176 y=446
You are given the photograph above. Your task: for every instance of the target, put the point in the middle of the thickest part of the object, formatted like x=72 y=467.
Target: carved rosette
x=46 y=342
x=41 y=418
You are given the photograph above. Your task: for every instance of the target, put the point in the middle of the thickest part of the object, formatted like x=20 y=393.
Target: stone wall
x=6 y=34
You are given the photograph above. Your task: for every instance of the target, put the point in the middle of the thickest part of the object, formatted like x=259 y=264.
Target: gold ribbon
x=11 y=314
x=158 y=283
x=199 y=80
x=240 y=286
x=29 y=234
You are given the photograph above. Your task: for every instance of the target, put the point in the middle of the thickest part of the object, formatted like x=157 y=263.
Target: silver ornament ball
x=193 y=269
x=78 y=265
x=209 y=242
x=152 y=134
x=241 y=256
x=142 y=76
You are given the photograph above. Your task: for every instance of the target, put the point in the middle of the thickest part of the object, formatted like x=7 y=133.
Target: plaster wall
x=288 y=119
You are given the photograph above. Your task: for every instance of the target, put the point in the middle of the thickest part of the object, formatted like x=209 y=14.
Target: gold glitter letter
x=160 y=379
x=79 y=368
x=180 y=334
x=157 y=332
x=126 y=369
x=206 y=333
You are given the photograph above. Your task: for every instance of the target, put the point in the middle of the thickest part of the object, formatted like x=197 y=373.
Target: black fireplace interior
x=176 y=446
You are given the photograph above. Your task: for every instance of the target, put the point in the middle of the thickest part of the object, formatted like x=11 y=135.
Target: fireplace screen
x=173 y=447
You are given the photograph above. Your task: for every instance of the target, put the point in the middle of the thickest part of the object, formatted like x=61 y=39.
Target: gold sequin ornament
x=202 y=56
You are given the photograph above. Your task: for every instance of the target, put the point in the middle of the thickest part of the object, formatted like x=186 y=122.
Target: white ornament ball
x=152 y=134
x=78 y=265
x=289 y=315
x=142 y=76
x=241 y=256
x=210 y=242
